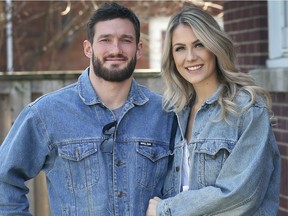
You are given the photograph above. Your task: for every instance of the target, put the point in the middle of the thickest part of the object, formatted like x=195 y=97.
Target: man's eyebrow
x=127 y=36
x=104 y=35
x=122 y=36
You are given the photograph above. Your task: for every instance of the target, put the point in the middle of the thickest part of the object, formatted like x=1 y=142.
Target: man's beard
x=113 y=74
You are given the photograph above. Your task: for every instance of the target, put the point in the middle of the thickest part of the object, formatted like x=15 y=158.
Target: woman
x=226 y=160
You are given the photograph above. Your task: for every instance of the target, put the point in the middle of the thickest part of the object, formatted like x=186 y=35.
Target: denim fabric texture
x=61 y=132
x=234 y=169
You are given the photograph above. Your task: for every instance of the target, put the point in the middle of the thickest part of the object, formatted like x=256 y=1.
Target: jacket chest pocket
x=152 y=164
x=81 y=164
x=210 y=156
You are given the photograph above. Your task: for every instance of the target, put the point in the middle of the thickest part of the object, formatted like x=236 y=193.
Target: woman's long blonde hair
x=179 y=91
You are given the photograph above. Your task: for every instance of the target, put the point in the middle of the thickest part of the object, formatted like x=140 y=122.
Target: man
x=103 y=142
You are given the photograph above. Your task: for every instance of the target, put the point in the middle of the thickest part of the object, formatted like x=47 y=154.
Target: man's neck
x=112 y=94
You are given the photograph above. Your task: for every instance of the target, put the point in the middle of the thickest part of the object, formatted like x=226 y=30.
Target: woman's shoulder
x=244 y=98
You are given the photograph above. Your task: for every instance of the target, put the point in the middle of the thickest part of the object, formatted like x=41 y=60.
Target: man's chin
x=115 y=66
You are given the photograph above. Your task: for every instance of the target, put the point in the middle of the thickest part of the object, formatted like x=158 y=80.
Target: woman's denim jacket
x=61 y=134
x=234 y=169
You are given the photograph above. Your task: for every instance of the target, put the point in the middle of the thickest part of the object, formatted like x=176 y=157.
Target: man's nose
x=116 y=47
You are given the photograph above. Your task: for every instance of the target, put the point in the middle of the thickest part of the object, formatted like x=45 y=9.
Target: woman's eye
x=199 y=45
x=177 y=49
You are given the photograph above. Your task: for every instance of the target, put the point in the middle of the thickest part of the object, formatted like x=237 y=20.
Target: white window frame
x=278 y=34
x=156 y=26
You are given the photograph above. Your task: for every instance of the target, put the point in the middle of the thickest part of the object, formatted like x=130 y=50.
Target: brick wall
x=247 y=24
x=280 y=108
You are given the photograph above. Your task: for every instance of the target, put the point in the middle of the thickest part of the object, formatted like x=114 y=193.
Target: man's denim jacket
x=234 y=169
x=61 y=133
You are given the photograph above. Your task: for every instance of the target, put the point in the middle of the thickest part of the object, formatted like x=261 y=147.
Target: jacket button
x=213 y=157
x=177 y=169
x=119 y=163
x=120 y=194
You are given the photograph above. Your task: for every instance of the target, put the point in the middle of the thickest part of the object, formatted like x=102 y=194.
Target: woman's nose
x=191 y=55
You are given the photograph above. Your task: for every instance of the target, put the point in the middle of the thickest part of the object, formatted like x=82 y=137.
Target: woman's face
x=194 y=62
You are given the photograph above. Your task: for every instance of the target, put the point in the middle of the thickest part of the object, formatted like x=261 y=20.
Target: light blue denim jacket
x=60 y=133
x=234 y=169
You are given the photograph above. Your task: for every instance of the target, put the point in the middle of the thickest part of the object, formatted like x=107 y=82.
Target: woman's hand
x=152 y=208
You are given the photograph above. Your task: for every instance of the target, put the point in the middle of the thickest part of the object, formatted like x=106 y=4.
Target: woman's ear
x=87 y=48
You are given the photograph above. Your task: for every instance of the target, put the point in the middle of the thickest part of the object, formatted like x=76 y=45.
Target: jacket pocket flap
x=154 y=151
x=212 y=147
x=77 y=152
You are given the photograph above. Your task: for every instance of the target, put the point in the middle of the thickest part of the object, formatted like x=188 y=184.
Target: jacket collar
x=89 y=96
x=183 y=115
x=215 y=96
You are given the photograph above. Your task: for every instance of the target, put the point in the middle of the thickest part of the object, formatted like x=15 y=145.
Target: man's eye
x=104 y=40
x=126 y=40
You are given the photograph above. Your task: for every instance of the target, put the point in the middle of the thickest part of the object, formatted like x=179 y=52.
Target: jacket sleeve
x=244 y=179
x=22 y=157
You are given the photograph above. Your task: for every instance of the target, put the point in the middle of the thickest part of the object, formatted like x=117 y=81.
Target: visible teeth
x=194 y=67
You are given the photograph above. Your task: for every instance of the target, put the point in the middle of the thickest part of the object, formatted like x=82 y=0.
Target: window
x=278 y=34
x=157 y=28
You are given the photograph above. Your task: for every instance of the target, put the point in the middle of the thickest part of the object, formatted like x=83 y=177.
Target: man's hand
x=152 y=208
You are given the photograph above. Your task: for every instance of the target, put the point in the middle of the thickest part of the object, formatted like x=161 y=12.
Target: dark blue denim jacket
x=61 y=133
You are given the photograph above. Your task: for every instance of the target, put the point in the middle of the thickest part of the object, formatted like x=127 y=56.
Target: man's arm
x=22 y=156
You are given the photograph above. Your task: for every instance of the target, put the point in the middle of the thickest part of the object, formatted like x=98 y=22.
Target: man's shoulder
x=63 y=94
x=150 y=93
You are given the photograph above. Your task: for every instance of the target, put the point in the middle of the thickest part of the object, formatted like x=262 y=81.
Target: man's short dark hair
x=109 y=11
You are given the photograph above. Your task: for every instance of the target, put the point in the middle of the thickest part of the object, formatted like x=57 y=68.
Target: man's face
x=114 y=73
x=114 y=50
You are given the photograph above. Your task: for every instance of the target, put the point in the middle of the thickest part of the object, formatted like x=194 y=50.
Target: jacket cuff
x=163 y=208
